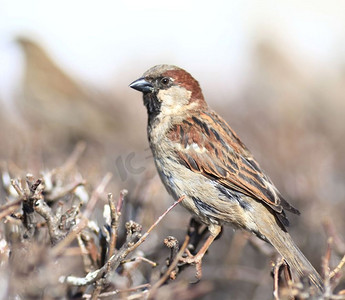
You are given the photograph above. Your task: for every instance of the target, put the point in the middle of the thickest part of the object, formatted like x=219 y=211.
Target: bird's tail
x=294 y=257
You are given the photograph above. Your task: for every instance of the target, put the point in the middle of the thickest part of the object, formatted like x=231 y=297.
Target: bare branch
x=133 y=232
x=84 y=220
x=143 y=238
x=9 y=208
x=56 y=235
x=140 y=259
x=170 y=269
x=116 y=292
x=337 y=268
x=276 y=274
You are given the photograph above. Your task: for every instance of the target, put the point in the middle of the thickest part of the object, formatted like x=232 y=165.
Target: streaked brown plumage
x=200 y=157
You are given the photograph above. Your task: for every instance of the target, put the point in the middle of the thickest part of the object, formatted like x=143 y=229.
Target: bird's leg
x=197 y=259
x=196 y=232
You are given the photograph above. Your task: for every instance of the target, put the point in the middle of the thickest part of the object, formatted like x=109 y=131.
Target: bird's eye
x=165 y=80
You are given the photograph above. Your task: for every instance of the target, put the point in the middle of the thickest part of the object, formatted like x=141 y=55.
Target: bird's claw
x=196 y=260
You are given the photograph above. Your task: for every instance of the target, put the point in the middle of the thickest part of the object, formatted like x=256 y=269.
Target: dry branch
x=133 y=240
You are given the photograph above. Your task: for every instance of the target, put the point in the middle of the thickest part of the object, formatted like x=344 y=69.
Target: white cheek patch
x=173 y=99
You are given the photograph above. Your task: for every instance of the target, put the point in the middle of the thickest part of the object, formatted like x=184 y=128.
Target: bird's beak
x=142 y=85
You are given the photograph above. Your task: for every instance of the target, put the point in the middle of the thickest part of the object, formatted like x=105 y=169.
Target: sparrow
x=198 y=156
x=51 y=99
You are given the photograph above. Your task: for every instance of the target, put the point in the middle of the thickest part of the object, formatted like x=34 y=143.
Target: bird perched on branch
x=200 y=157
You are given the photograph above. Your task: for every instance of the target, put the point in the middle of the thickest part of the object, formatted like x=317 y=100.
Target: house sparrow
x=200 y=157
x=51 y=99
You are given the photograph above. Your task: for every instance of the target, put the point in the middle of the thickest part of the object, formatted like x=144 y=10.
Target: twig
x=116 y=292
x=91 y=248
x=84 y=220
x=68 y=219
x=85 y=254
x=18 y=189
x=325 y=267
x=287 y=274
x=115 y=212
x=56 y=235
x=143 y=238
x=11 y=204
x=172 y=266
x=337 y=268
x=113 y=225
x=139 y=259
x=140 y=296
x=96 y=292
x=331 y=231
x=133 y=232
x=276 y=275
x=173 y=244
x=29 y=198
x=119 y=204
x=337 y=297
x=4 y=212
x=59 y=248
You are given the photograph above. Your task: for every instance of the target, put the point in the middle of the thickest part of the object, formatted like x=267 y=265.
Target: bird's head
x=169 y=90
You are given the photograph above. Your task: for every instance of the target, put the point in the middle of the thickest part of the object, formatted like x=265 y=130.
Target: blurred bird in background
x=52 y=98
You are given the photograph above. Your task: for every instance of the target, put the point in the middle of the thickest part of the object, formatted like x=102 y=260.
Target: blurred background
x=275 y=71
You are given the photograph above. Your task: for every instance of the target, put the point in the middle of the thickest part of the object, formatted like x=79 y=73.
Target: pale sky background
x=110 y=43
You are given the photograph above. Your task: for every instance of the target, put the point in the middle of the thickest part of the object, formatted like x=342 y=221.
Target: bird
x=200 y=158
x=51 y=99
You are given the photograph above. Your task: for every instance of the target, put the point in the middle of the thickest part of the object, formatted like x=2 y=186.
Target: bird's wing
x=206 y=144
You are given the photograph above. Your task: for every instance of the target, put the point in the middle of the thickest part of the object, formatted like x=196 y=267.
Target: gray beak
x=142 y=85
